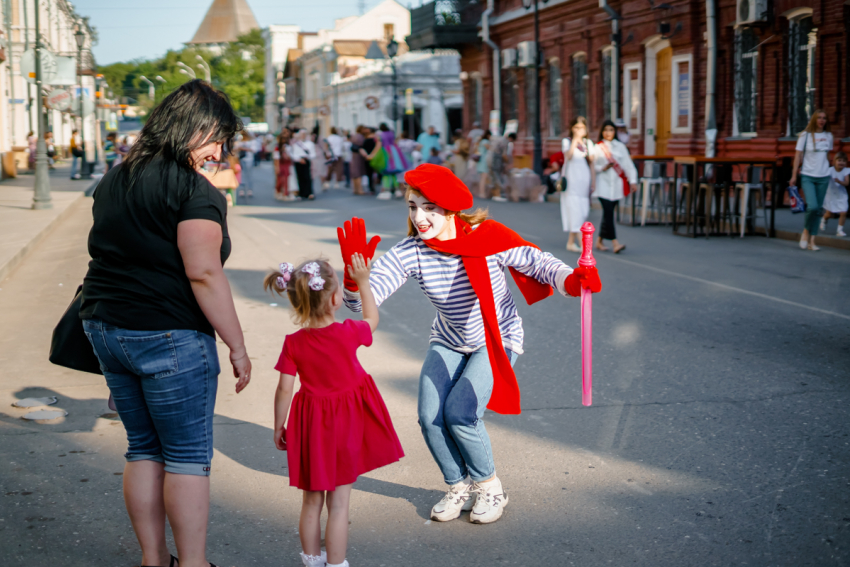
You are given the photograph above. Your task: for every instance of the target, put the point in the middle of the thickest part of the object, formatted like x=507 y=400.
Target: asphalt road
x=718 y=433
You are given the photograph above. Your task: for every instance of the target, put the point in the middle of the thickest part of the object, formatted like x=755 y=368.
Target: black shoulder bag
x=69 y=346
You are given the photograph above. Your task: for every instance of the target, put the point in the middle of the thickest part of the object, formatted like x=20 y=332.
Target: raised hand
x=352 y=240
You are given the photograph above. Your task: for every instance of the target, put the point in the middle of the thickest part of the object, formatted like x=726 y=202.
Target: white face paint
x=429 y=219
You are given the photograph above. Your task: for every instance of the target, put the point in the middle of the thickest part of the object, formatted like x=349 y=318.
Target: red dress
x=338 y=427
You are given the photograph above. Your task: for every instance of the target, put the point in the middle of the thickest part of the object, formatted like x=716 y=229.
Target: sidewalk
x=790 y=227
x=21 y=227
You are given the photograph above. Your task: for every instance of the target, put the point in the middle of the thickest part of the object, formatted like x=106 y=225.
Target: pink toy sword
x=586 y=260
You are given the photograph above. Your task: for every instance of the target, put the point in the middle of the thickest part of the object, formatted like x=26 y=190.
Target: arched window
x=580 y=80
x=802 y=40
x=554 y=97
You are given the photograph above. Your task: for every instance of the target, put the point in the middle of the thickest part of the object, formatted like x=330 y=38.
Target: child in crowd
x=435 y=157
x=835 y=203
x=338 y=427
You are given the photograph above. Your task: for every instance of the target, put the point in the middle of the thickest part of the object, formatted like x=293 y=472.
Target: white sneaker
x=385 y=195
x=315 y=560
x=490 y=502
x=500 y=199
x=823 y=224
x=804 y=243
x=840 y=232
x=457 y=499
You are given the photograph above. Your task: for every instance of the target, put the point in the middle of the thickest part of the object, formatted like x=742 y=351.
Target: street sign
x=324 y=110
x=408 y=101
x=48 y=66
x=372 y=102
x=59 y=99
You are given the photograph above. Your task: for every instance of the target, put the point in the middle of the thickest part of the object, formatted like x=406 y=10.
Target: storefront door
x=662 y=100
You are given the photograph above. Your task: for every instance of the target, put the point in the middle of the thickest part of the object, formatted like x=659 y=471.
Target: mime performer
x=458 y=259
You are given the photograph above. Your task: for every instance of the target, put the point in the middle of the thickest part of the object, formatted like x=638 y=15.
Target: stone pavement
x=21 y=227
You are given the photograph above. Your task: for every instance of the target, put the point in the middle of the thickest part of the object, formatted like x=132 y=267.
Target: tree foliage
x=237 y=71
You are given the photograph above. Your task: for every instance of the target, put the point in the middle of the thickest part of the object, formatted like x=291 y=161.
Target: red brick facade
x=575 y=26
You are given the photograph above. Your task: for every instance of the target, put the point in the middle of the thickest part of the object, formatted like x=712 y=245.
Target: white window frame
x=674 y=95
x=627 y=96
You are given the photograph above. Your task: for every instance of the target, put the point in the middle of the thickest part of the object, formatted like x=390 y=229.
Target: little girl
x=835 y=203
x=339 y=427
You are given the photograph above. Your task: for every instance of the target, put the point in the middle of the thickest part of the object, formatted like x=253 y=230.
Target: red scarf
x=474 y=245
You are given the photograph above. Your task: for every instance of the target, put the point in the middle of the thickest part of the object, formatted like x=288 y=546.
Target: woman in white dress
x=612 y=164
x=580 y=178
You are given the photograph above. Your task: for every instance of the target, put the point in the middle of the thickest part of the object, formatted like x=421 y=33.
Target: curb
x=18 y=258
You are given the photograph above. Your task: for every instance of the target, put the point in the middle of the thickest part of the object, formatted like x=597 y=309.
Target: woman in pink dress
x=338 y=426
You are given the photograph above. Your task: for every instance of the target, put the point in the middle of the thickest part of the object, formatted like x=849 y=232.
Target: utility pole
x=41 y=196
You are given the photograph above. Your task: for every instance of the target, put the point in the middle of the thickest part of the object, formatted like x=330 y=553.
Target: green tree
x=237 y=71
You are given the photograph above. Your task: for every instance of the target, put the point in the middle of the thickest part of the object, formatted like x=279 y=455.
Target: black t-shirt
x=136 y=278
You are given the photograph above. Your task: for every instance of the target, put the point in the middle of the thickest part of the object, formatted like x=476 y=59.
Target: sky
x=138 y=29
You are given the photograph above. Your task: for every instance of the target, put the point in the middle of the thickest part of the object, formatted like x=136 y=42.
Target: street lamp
x=537 y=156
x=41 y=195
x=203 y=65
x=151 y=88
x=186 y=70
x=80 y=39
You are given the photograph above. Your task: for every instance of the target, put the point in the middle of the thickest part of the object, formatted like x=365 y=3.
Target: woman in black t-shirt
x=154 y=296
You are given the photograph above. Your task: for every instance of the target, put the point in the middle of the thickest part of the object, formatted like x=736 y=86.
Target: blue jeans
x=814 y=189
x=454 y=389
x=74 y=163
x=164 y=385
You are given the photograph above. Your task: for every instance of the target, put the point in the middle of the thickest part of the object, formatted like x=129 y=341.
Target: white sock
x=343 y=564
x=491 y=482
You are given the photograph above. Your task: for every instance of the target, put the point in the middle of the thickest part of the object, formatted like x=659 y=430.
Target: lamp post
x=41 y=195
x=186 y=70
x=151 y=88
x=537 y=155
x=392 y=51
x=80 y=39
x=206 y=68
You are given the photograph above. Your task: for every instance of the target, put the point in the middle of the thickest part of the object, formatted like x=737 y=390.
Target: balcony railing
x=445 y=24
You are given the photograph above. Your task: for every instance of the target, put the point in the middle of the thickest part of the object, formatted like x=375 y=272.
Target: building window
x=802 y=40
x=680 y=121
x=389 y=32
x=580 y=80
x=530 y=99
x=631 y=97
x=510 y=95
x=606 y=84
x=554 y=97
x=478 y=97
x=746 y=66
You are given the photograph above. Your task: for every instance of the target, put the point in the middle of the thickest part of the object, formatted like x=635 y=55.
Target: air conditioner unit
x=750 y=11
x=526 y=54
x=508 y=58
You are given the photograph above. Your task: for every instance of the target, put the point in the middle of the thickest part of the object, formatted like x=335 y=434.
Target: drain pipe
x=710 y=78
x=616 y=40
x=497 y=60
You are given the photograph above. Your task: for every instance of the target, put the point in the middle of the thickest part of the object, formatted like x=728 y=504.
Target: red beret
x=440 y=186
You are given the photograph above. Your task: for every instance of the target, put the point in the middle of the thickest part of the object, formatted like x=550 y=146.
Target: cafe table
x=698 y=163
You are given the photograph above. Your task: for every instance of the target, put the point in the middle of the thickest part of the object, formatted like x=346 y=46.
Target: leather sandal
x=171 y=563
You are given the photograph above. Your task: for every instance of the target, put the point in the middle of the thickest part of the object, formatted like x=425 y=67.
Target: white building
x=437 y=93
x=20 y=104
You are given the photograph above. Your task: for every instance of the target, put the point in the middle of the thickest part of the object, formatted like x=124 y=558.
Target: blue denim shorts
x=164 y=385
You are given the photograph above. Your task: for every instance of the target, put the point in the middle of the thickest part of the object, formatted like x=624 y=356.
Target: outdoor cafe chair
x=746 y=193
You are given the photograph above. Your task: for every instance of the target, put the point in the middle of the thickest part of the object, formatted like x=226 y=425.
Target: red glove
x=352 y=240
x=583 y=277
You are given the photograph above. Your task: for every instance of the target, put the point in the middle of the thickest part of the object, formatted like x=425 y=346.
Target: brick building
x=776 y=61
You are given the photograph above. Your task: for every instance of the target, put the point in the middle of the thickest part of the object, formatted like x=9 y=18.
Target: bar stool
x=745 y=193
x=652 y=188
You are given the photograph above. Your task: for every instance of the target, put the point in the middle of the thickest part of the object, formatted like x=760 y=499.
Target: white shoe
x=804 y=243
x=500 y=199
x=457 y=499
x=399 y=194
x=385 y=195
x=814 y=248
x=315 y=560
x=823 y=224
x=840 y=232
x=490 y=502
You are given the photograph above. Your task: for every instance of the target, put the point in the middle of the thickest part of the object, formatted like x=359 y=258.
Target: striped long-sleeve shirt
x=443 y=278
